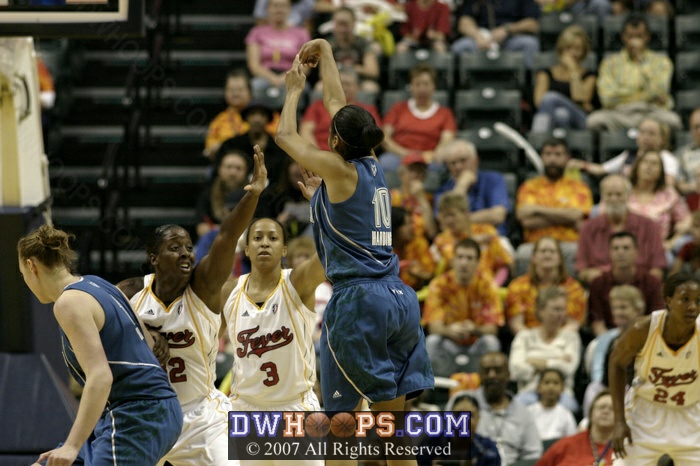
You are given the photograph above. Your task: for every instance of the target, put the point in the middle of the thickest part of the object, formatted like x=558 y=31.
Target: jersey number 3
x=270 y=369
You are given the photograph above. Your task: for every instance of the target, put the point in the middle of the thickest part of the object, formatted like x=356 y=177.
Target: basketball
x=317 y=425
x=343 y=425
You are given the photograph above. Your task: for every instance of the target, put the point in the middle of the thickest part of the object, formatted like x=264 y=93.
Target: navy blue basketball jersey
x=353 y=238
x=135 y=369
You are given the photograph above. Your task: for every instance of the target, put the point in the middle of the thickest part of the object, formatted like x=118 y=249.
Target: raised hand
x=295 y=79
x=311 y=183
x=310 y=53
x=259 y=179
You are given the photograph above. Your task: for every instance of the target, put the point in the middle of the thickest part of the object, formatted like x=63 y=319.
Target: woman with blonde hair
x=626 y=304
x=564 y=93
x=546 y=269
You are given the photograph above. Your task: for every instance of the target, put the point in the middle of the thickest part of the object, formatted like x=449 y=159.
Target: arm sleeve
x=573 y=350
x=520 y=369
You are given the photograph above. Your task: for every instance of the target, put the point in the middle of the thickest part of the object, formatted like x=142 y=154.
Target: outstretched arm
x=624 y=351
x=340 y=175
x=215 y=268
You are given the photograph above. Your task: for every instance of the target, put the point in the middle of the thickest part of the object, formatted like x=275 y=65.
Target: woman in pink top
x=271 y=48
x=651 y=196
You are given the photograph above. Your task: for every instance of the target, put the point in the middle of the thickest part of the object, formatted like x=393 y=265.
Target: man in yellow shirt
x=634 y=83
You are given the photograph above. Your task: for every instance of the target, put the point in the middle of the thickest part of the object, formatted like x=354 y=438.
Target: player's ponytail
x=357 y=131
x=50 y=246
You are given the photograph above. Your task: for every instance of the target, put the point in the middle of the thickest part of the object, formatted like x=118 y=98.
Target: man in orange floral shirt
x=455 y=221
x=552 y=205
x=462 y=314
x=230 y=123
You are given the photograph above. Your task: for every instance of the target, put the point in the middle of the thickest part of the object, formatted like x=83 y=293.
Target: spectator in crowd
x=229 y=123
x=47 y=96
x=552 y=205
x=689 y=255
x=623 y=271
x=300 y=14
x=272 y=46
x=354 y=51
x=652 y=135
x=599 y=8
x=484 y=451
x=285 y=202
x=204 y=242
x=462 y=313
x=689 y=157
x=507 y=24
x=660 y=8
x=258 y=116
x=591 y=259
x=501 y=417
x=316 y=122
x=553 y=420
x=428 y=26
x=592 y=446
x=651 y=196
x=456 y=225
x=231 y=175
x=547 y=346
x=634 y=83
x=412 y=196
x=626 y=305
x=417 y=124
x=416 y=264
x=546 y=270
x=564 y=93
x=487 y=190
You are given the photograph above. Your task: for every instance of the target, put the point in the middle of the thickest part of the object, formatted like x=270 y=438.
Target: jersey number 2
x=662 y=394
x=270 y=369
x=176 y=373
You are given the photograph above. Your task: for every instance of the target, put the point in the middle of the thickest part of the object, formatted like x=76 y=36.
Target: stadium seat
x=505 y=70
x=549 y=59
x=613 y=26
x=389 y=98
x=686 y=102
x=484 y=107
x=361 y=96
x=271 y=97
x=551 y=26
x=495 y=151
x=688 y=32
x=614 y=142
x=681 y=138
x=686 y=7
x=581 y=143
x=401 y=64
x=687 y=70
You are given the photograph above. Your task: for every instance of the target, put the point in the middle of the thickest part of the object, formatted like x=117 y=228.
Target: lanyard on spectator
x=598 y=460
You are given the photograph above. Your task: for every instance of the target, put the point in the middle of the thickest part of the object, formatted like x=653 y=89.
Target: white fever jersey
x=274 y=360
x=665 y=376
x=191 y=330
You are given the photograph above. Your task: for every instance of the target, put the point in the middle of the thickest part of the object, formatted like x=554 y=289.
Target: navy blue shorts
x=135 y=433
x=372 y=344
